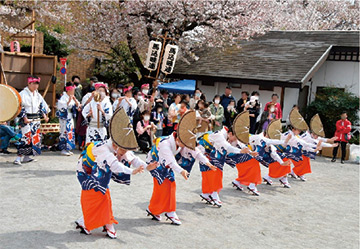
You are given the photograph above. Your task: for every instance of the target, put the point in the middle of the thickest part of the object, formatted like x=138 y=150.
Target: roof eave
x=315 y=67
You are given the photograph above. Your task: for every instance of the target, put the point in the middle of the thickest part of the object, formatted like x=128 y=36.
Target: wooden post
x=282 y=100
x=164 y=38
x=47 y=88
x=54 y=91
x=161 y=54
x=32 y=43
x=2 y=59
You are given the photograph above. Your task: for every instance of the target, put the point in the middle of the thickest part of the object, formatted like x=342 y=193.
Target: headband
x=127 y=89
x=100 y=84
x=68 y=88
x=31 y=80
x=145 y=85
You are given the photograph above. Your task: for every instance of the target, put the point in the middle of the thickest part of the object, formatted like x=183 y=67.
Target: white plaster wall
x=291 y=96
x=209 y=91
x=342 y=74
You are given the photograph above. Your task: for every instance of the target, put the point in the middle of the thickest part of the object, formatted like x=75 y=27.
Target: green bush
x=53 y=46
x=354 y=139
x=329 y=104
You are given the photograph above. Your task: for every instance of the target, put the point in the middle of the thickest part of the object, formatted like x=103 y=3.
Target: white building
x=293 y=64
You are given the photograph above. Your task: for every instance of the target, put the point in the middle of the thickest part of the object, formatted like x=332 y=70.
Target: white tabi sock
x=252 y=186
x=215 y=195
x=284 y=179
x=172 y=214
x=267 y=177
x=205 y=195
x=236 y=181
x=81 y=221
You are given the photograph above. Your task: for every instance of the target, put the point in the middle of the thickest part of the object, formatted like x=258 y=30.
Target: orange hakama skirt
x=212 y=181
x=249 y=172
x=302 y=167
x=276 y=170
x=96 y=208
x=163 y=198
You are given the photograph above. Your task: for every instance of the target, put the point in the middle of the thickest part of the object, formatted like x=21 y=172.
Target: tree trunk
x=143 y=71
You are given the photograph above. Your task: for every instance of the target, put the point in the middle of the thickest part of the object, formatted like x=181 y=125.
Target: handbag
x=348 y=136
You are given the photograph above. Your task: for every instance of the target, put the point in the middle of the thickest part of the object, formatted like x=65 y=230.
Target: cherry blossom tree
x=97 y=27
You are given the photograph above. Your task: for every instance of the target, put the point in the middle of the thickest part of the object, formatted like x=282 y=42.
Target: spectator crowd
x=156 y=113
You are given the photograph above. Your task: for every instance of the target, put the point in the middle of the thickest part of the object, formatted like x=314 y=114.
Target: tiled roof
x=281 y=56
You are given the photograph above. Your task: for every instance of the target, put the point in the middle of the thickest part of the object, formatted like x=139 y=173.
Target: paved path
x=41 y=200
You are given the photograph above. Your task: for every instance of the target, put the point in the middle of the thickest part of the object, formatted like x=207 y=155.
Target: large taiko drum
x=10 y=103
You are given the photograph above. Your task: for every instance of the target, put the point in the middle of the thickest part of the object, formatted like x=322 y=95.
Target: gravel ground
x=41 y=200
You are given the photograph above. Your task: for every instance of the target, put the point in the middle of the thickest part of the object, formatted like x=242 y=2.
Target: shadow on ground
x=48 y=239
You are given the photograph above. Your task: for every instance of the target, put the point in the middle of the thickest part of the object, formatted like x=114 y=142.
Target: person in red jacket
x=343 y=128
x=277 y=107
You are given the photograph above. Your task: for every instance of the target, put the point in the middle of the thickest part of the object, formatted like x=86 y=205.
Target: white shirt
x=295 y=141
x=105 y=104
x=129 y=108
x=130 y=157
x=219 y=141
x=85 y=98
x=31 y=101
x=238 y=144
x=63 y=102
x=269 y=147
x=167 y=151
x=104 y=154
x=309 y=139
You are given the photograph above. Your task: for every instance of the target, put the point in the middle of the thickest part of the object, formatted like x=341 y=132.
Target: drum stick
x=98 y=118
x=36 y=120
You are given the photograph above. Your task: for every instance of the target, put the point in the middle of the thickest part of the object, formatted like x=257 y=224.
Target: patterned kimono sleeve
x=74 y=111
x=166 y=155
x=108 y=109
x=273 y=141
x=306 y=146
x=86 y=111
x=201 y=148
x=111 y=160
x=274 y=155
x=133 y=106
x=198 y=154
x=219 y=141
x=115 y=104
x=308 y=138
x=135 y=160
x=43 y=108
x=232 y=149
x=62 y=112
x=22 y=113
x=116 y=166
